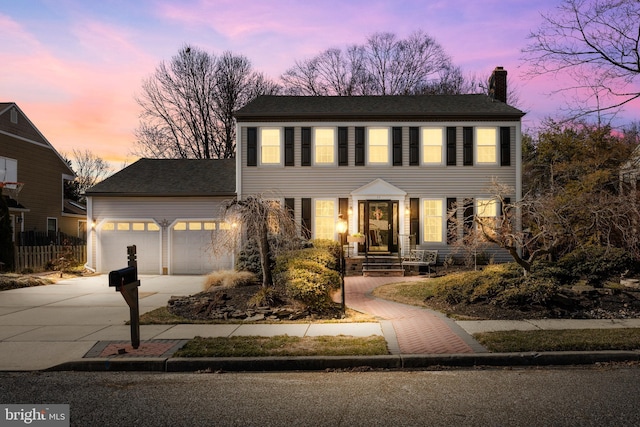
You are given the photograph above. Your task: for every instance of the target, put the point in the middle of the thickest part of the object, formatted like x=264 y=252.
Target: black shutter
x=289 y=205
x=252 y=146
x=451 y=146
x=343 y=146
x=306 y=146
x=467 y=145
x=469 y=213
x=505 y=146
x=452 y=230
x=397 y=146
x=414 y=146
x=306 y=218
x=288 y=146
x=360 y=146
x=414 y=219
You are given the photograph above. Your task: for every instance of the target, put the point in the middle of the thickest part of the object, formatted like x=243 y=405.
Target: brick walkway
x=418 y=330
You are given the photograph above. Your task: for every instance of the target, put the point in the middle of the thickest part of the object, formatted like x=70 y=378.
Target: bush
x=308 y=276
x=229 y=279
x=596 y=264
x=503 y=285
x=249 y=259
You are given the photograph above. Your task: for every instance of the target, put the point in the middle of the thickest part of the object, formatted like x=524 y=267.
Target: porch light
x=407 y=210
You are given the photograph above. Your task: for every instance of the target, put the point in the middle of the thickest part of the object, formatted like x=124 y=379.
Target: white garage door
x=192 y=247
x=114 y=238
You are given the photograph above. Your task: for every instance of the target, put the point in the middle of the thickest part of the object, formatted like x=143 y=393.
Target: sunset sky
x=74 y=66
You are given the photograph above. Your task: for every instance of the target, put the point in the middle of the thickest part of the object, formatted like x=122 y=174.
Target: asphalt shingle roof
x=410 y=107
x=171 y=177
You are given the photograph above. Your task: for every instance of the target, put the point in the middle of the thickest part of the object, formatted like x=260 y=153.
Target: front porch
x=388 y=265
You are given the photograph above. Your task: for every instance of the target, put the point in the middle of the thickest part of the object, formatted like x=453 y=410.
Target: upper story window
x=432 y=143
x=486 y=145
x=378 y=146
x=270 y=143
x=8 y=169
x=487 y=211
x=325 y=146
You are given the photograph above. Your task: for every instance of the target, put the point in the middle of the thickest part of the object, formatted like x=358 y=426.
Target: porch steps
x=382 y=266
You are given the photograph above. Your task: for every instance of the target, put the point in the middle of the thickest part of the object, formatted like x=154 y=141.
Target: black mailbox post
x=126 y=282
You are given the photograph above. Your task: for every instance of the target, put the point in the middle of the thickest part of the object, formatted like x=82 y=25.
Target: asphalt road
x=595 y=396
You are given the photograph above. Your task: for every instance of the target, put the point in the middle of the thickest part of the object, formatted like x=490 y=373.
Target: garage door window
x=130 y=226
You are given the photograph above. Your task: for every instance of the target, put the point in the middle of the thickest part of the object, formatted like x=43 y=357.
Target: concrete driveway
x=47 y=325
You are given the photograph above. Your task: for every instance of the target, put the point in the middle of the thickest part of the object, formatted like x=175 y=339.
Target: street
x=597 y=396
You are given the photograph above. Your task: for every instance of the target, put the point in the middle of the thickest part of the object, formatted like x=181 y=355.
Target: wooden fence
x=37 y=258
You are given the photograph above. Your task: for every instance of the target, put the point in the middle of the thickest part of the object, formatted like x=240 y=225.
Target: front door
x=378 y=221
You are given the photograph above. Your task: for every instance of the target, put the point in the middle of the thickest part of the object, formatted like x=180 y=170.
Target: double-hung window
x=270 y=143
x=433 y=217
x=432 y=142
x=487 y=145
x=487 y=212
x=325 y=146
x=378 y=146
x=325 y=219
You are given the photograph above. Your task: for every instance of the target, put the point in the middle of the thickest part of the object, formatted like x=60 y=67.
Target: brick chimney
x=498 y=84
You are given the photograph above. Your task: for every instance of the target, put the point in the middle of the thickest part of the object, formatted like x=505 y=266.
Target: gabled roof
x=397 y=107
x=171 y=177
x=30 y=134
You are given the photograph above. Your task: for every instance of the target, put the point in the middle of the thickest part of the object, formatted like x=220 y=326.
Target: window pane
x=138 y=226
x=324 y=145
x=487 y=208
x=152 y=226
x=209 y=225
x=433 y=219
x=195 y=226
x=487 y=145
x=270 y=146
x=180 y=226
x=432 y=145
x=378 y=142
x=123 y=226
x=108 y=226
x=324 y=219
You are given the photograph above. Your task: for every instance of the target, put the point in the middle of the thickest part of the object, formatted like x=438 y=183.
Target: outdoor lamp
x=341 y=228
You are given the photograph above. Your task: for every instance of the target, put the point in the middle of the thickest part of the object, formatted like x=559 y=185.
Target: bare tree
x=384 y=65
x=261 y=218
x=188 y=105
x=596 y=43
x=89 y=169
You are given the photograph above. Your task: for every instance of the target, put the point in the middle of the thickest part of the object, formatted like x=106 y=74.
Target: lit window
x=324 y=139
x=325 y=219
x=138 y=226
x=487 y=145
x=378 y=145
x=123 y=226
x=270 y=146
x=108 y=226
x=225 y=226
x=433 y=219
x=180 y=226
x=432 y=145
x=209 y=225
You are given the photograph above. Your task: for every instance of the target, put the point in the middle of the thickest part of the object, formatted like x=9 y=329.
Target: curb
x=313 y=363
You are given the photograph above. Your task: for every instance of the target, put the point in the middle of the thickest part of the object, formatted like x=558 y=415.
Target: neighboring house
x=630 y=172
x=27 y=157
x=169 y=209
x=390 y=165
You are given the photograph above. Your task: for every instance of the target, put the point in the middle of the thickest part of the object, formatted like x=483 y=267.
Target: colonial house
x=391 y=166
x=33 y=174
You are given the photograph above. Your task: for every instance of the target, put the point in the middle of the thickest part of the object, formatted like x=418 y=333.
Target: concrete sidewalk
x=66 y=323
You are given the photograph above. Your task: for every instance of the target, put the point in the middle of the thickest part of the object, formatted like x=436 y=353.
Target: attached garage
x=115 y=236
x=171 y=209
x=192 y=247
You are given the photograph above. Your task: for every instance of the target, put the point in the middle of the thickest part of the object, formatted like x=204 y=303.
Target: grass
x=413 y=293
x=284 y=345
x=560 y=340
